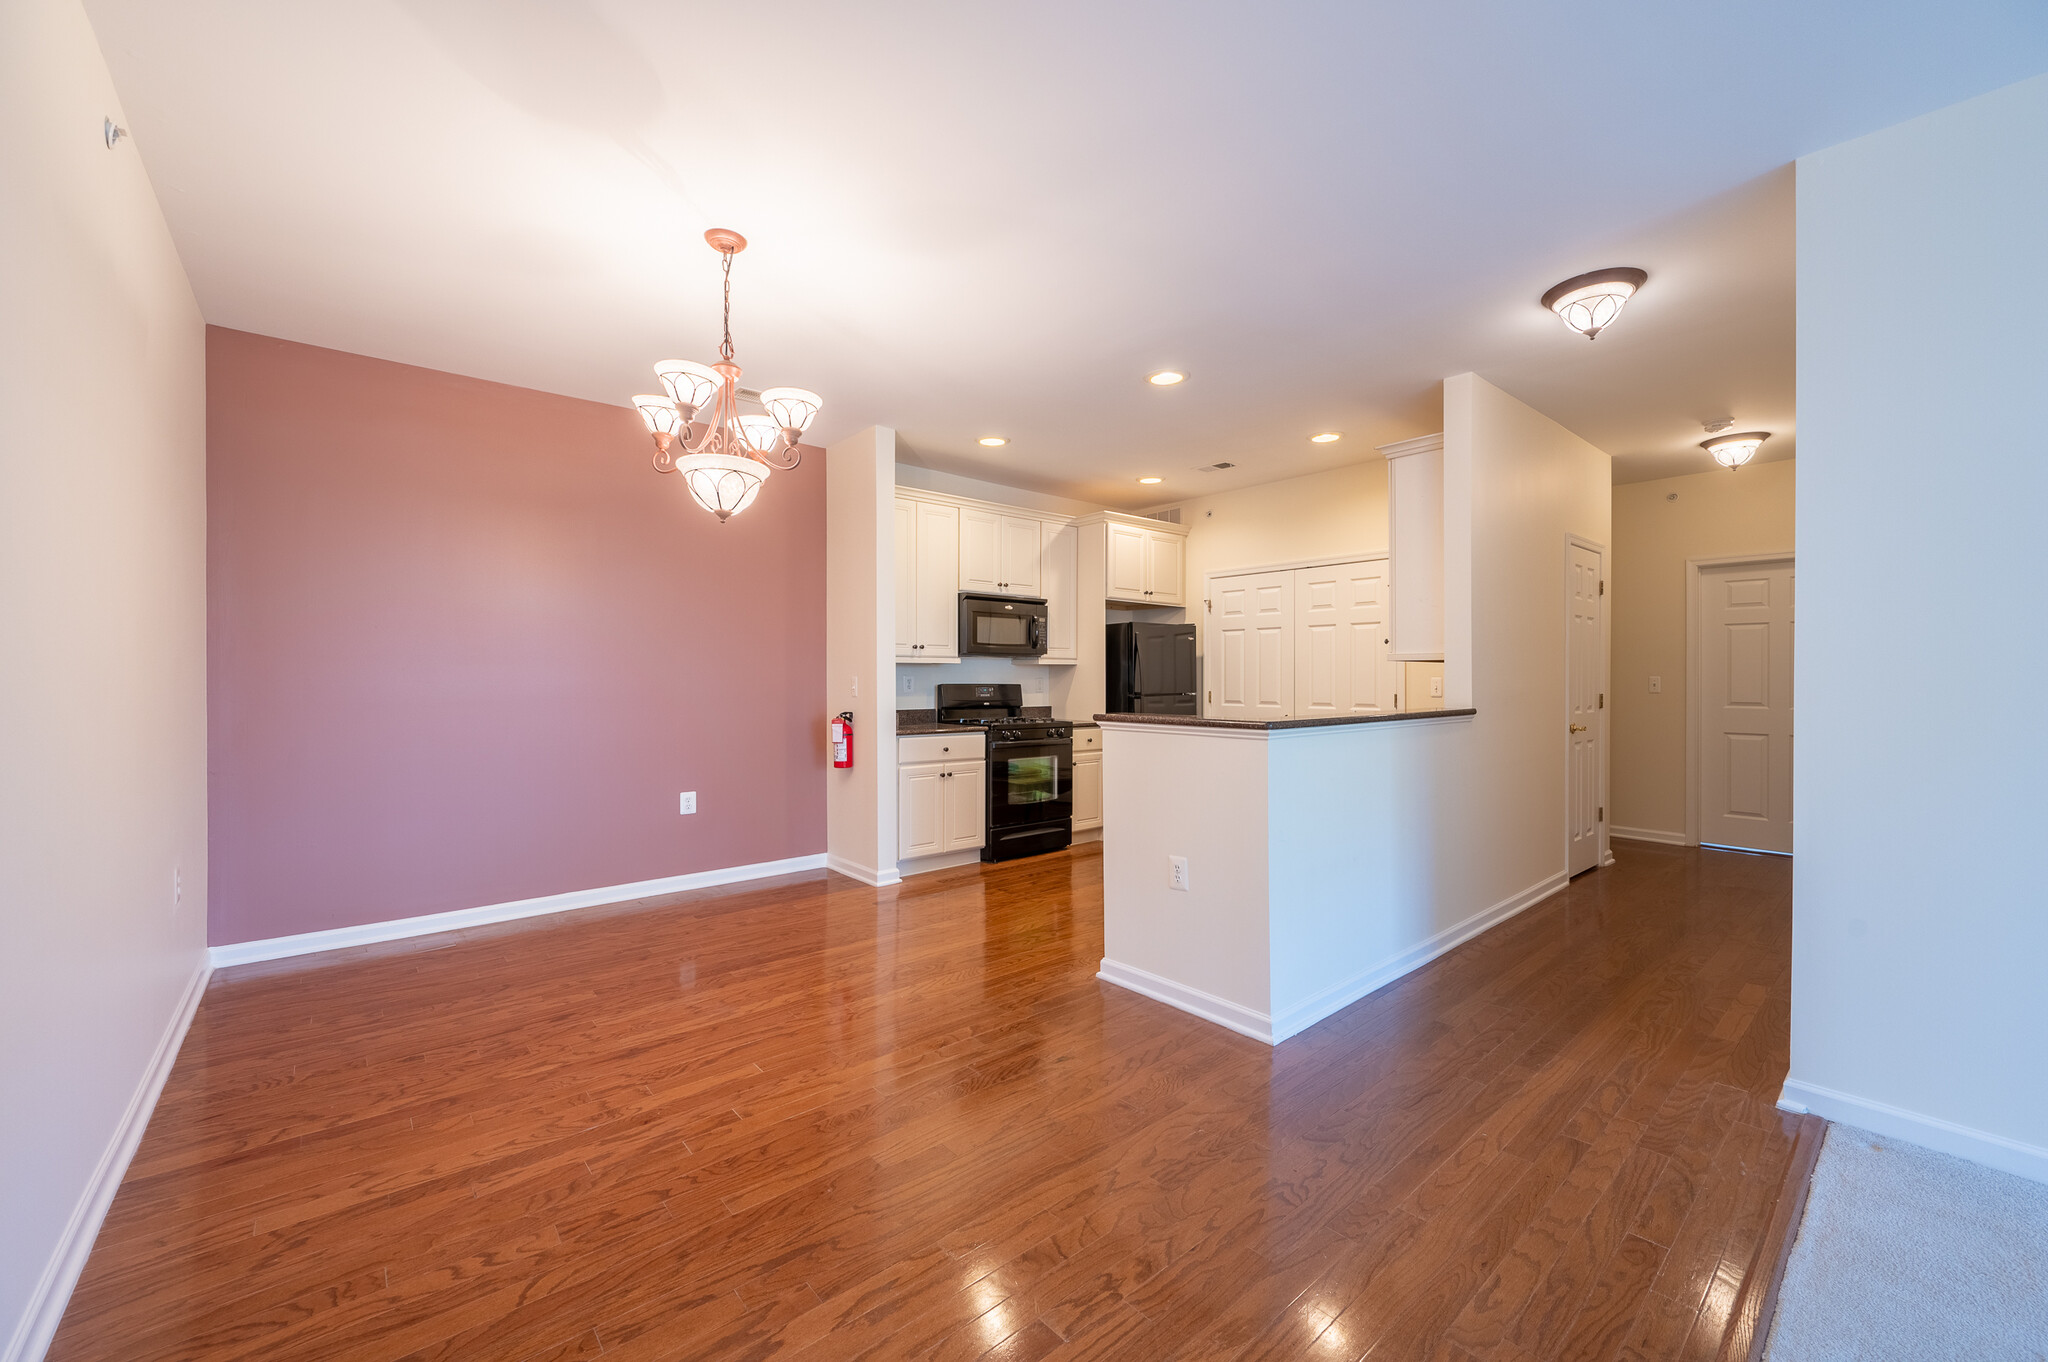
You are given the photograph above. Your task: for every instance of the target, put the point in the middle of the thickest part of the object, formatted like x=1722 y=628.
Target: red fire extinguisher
x=842 y=739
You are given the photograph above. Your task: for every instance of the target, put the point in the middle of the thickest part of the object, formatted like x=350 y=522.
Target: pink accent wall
x=467 y=646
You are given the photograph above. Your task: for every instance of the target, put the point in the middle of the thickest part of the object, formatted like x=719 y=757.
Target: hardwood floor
x=811 y=1119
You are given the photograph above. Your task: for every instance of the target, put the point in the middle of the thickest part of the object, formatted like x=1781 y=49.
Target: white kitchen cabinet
x=941 y=806
x=1144 y=561
x=927 y=581
x=1087 y=790
x=1299 y=643
x=1415 y=538
x=1060 y=570
x=1000 y=553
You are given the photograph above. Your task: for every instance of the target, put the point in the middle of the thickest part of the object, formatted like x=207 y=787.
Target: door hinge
x=1603 y=588
x=1603 y=701
x=1600 y=814
x=1209 y=605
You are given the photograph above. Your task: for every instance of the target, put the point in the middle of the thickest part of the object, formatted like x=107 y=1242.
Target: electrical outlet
x=1656 y=685
x=1176 y=872
x=1436 y=687
x=689 y=801
x=909 y=684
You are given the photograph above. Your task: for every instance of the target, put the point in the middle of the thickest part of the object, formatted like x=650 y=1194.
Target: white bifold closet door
x=1299 y=643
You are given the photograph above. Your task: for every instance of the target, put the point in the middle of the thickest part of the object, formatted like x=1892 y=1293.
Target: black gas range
x=1030 y=769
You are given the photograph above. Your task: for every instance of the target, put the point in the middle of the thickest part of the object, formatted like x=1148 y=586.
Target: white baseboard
x=369 y=933
x=1272 y=1030
x=880 y=879
x=1669 y=839
x=1207 y=1006
x=38 y=1323
x=1087 y=835
x=1336 y=998
x=1930 y=1132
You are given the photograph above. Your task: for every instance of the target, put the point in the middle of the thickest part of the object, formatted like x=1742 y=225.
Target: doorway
x=1739 y=703
x=1586 y=704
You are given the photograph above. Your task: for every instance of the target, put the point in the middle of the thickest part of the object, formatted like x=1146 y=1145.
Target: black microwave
x=1001 y=626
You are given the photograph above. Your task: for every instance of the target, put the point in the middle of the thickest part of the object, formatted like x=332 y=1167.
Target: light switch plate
x=689 y=804
x=1656 y=685
x=1436 y=687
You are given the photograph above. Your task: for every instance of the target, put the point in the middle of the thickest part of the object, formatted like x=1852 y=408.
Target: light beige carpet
x=1912 y=1255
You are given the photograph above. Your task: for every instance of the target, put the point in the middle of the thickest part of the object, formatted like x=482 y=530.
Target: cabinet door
x=1251 y=650
x=1126 y=566
x=1341 y=665
x=906 y=580
x=1165 y=561
x=981 y=566
x=966 y=796
x=920 y=811
x=1415 y=530
x=1021 y=543
x=1087 y=791
x=938 y=592
x=1061 y=589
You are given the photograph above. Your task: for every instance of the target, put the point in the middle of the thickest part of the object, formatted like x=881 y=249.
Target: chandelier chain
x=725 y=347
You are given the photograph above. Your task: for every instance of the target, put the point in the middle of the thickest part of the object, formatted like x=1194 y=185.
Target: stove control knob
x=1063 y=732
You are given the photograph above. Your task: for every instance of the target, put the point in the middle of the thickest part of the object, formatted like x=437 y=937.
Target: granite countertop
x=910 y=722
x=1259 y=726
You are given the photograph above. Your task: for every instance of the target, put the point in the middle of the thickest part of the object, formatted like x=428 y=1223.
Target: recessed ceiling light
x=1588 y=302
x=1149 y=481
x=1327 y=437
x=992 y=441
x=1165 y=378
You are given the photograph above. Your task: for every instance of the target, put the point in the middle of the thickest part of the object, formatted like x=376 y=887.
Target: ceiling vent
x=1171 y=515
x=1214 y=467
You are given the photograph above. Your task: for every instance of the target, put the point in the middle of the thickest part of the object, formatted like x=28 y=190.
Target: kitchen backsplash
x=924 y=678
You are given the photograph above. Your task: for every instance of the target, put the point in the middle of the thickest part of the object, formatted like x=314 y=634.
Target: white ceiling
x=971 y=219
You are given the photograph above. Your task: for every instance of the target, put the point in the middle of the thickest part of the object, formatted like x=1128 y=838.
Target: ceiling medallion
x=1588 y=302
x=1733 y=451
x=733 y=454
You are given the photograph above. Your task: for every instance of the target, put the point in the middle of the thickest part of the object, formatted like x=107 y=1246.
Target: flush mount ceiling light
x=994 y=441
x=1588 y=302
x=1326 y=438
x=1149 y=481
x=1733 y=451
x=1165 y=378
x=726 y=464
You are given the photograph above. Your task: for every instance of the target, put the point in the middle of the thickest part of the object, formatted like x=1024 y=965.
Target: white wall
x=1363 y=851
x=860 y=651
x=103 y=664
x=915 y=682
x=1920 y=921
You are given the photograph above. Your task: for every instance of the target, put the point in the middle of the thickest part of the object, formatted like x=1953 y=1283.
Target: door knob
x=1578 y=728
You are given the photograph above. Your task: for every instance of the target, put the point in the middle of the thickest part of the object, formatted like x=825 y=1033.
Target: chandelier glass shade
x=731 y=452
x=1733 y=451
x=1588 y=302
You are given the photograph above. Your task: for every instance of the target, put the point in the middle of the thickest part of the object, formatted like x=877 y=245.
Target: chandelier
x=733 y=452
x=1588 y=302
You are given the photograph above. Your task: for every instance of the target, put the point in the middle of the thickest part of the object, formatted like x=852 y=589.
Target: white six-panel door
x=1585 y=684
x=1745 y=677
x=1341 y=662
x=1252 y=647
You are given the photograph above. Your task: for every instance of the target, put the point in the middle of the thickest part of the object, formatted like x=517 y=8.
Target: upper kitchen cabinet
x=947 y=545
x=1144 y=561
x=1000 y=554
x=927 y=581
x=1415 y=548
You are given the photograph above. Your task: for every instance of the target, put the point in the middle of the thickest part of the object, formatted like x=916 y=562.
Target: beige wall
x=103 y=664
x=1321 y=515
x=1657 y=527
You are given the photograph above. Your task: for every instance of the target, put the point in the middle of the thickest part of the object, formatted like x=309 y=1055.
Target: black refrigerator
x=1151 y=670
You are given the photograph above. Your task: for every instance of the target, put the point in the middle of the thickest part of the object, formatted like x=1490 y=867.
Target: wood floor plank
x=807 y=1119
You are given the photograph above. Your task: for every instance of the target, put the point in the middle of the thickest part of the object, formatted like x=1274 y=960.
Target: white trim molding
x=1669 y=839
x=52 y=1291
x=879 y=879
x=1272 y=1030
x=397 y=929
x=1930 y=1132
x=1207 y=1006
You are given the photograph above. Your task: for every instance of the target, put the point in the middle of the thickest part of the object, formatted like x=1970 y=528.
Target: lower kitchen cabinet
x=941 y=807
x=1087 y=790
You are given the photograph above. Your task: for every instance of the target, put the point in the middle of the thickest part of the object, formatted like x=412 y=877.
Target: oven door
x=991 y=626
x=1030 y=783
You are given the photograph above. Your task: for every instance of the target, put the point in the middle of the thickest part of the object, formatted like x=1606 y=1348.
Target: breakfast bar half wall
x=1266 y=875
